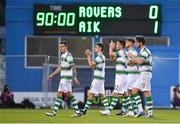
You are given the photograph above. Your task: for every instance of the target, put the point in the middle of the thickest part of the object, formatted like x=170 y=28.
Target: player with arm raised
x=97 y=85
x=132 y=74
x=67 y=76
x=121 y=76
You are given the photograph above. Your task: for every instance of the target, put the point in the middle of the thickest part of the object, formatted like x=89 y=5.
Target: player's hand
x=130 y=55
x=112 y=45
x=88 y=52
x=130 y=61
x=133 y=60
x=50 y=76
x=76 y=81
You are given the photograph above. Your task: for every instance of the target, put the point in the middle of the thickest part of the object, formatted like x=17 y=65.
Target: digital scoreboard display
x=97 y=19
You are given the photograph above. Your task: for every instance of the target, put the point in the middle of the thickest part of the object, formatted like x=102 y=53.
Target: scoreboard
x=97 y=19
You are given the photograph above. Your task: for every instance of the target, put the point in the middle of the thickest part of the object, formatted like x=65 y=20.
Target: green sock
x=105 y=103
x=128 y=103
x=113 y=103
x=149 y=103
x=123 y=108
x=57 y=103
x=137 y=99
x=74 y=103
x=88 y=103
x=134 y=105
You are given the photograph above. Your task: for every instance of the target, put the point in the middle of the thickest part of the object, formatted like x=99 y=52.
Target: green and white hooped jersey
x=121 y=60
x=132 y=68
x=66 y=66
x=99 y=69
x=147 y=56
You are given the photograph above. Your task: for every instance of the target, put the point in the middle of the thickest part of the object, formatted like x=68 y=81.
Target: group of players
x=132 y=74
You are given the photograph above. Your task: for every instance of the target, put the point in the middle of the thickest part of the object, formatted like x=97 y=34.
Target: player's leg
x=101 y=92
x=88 y=103
x=136 y=97
x=126 y=97
x=105 y=102
x=128 y=103
x=124 y=101
x=120 y=84
x=134 y=105
x=119 y=89
x=73 y=102
x=149 y=103
x=93 y=90
x=123 y=108
x=130 y=83
x=58 y=102
x=67 y=88
x=114 y=101
x=147 y=92
x=112 y=104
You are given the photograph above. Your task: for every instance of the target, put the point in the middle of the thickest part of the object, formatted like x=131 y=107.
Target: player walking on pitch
x=68 y=75
x=97 y=85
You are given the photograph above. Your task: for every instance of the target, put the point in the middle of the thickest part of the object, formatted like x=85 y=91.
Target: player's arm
x=141 y=59
x=112 y=55
x=131 y=56
x=71 y=63
x=88 y=54
x=58 y=69
x=137 y=60
x=75 y=80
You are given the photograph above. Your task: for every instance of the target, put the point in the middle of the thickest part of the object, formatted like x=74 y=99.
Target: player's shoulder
x=146 y=50
x=68 y=54
x=101 y=56
x=133 y=51
x=122 y=53
x=119 y=52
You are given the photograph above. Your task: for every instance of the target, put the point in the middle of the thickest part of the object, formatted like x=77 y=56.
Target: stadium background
x=19 y=24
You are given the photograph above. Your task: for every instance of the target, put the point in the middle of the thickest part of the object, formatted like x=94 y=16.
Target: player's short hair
x=100 y=45
x=64 y=42
x=131 y=40
x=122 y=42
x=140 y=38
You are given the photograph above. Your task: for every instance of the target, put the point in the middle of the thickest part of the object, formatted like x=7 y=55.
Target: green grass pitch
x=92 y=116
